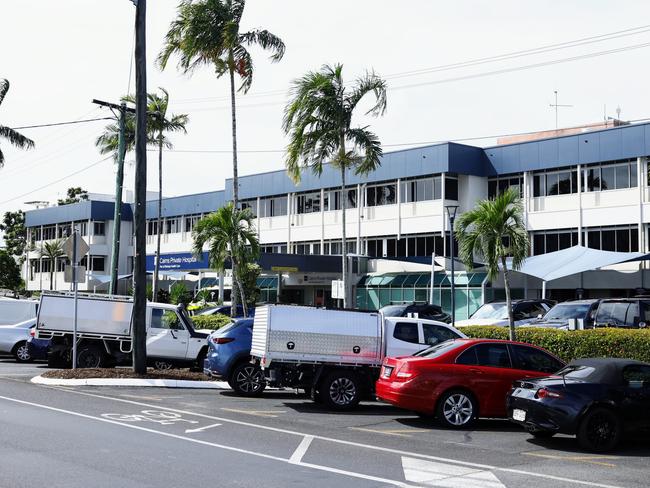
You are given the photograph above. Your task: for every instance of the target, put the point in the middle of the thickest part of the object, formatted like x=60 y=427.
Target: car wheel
x=457 y=409
x=540 y=434
x=90 y=356
x=198 y=365
x=600 y=430
x=162 y=365
x=247 y=380
x=341 y=390
x=22 y=352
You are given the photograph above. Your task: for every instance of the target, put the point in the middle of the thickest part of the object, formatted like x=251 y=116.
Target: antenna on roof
x=556 y=106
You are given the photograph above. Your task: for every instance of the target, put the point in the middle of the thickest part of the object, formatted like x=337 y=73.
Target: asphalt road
x=141 y=437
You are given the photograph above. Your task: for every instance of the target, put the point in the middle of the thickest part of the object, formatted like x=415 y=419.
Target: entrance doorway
x=323 y=297
x=289 y=295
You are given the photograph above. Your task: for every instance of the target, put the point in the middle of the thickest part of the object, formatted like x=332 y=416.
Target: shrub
x=212 y=322
x=569 y=345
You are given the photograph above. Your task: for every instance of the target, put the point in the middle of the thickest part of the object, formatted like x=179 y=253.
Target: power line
x=85 y=168
x=54 y=124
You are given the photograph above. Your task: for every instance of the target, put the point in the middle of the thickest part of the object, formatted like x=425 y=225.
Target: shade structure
x=574 y=260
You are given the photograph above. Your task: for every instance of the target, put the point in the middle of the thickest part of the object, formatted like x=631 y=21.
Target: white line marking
x=256 y=413
x=300 y=451
x=201 y=429
x=212 y=444
x=447 y=475
x=350 y=443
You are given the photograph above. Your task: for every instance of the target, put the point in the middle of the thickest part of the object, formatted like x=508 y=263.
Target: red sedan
x=460 y=380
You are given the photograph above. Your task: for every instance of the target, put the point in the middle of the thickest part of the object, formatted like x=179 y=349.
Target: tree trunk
x=506 y=284
x=344 y=247
x=51 y=279
x=155 y=285
x=235 y=176
x=240 y=287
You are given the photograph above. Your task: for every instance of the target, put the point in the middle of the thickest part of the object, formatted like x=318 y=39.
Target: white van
x=15 y=311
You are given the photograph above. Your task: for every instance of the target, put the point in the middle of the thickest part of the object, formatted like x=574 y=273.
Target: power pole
x=139 y=271
x=119 y=183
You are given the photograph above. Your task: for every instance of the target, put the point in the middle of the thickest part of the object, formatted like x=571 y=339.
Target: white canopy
x=574 y=260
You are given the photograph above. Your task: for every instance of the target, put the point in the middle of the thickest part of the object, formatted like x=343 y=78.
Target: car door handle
x=475 y=371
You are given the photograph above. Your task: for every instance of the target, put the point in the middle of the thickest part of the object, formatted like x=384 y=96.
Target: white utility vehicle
x=104 y=326
x=15 y=311
x=335 y=355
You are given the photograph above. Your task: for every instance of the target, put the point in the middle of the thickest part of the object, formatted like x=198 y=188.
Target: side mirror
x=539 y=316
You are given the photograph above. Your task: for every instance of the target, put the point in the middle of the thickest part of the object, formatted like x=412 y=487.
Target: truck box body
x=290 y=333
x=95 y=315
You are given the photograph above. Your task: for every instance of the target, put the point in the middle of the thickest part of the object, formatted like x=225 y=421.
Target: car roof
x=585 y=300
x=606 y=370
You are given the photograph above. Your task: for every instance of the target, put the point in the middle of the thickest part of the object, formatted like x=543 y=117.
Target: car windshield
x=208 y=311
x=393 y=310
x=186 y=318
x=439 y=349
x=568 y=311
x=491 y=311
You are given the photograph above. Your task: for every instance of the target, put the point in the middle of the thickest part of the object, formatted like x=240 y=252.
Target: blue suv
x=229 y=354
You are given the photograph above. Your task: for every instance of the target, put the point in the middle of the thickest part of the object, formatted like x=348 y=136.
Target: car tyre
x=340 y=390
x=247 y=380
x=90 y=356
x=457 y=409
x=198 y=365
x=540 y=434
x=599 y=430
x=22 y=353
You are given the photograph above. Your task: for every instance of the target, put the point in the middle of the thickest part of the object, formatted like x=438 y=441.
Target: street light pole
x=451 y=213
x=139 y=271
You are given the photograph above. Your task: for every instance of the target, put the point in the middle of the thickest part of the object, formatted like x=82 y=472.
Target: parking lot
x=169 y=437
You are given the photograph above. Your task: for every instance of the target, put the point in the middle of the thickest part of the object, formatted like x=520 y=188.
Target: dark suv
x=623 y=312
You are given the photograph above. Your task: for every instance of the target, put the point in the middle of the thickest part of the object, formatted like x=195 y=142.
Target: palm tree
x=157 y=125
x=230 y=236
x=52 y=251
x=207 y=32
x=493 y=231
x=318 y=120
x=15 y=138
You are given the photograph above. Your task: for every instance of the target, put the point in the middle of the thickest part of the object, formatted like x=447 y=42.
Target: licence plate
x=387 y=371
x=519 y=415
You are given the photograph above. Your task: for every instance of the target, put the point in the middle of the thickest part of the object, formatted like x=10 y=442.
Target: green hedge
x=569 y=345
x=212 y=322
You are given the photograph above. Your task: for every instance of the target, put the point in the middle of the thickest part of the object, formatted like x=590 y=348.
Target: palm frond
x=15 y=138
x=266 y=40
x=4 y=88
x=370 y=83
x=368 y=144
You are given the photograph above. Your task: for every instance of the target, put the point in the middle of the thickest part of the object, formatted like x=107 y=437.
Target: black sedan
x=597 y=400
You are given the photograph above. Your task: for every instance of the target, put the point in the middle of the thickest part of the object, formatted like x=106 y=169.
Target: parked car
x=229 y=355
x=421 y=310
x=460 y=380
x=596 y=400
x=16 y=311
x=623 y=312
x=560 y=315
x=226 y=310
x=38 y=348
x=13 y=340
x=496 y=313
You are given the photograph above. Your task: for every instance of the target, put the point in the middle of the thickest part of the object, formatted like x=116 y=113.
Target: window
x=407 y=332
x=99 y=228
x=273 y=206
x=493 y=355
x=617 y=313
x=549 y=183
x=60 y=264
x=619 y=238
x=531 y=359
x=614 y=175
x=468 y=357
x=82 y=226
x=251 y=204
x=421 y=189
x=637 y=375
x=64 y=230
x=385 y=194
x=433 y=334
x=172 y=225
x=499 y=184
x=308 y=203
x=97 y=263
x=333 y=199
x=191 y=221
x=528 y=311
x=49 y=232
x=451 y=188
x=165 y=319
x=152 y=227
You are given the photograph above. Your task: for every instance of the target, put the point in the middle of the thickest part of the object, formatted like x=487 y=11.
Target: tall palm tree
x=318 y=121
x=15 y=138
x=230 y=236
x=207 y=32
x=52 y=250
x=493 y=231
x=158 y=124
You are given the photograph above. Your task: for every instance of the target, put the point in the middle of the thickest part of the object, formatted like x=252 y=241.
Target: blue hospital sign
x=183 y=261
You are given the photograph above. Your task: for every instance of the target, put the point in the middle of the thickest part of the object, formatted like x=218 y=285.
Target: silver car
x=13 y=340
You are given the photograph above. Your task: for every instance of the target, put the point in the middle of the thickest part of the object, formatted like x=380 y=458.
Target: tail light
x=32 y=331
x=546 y=393
x=222 y=340
x=405 y=372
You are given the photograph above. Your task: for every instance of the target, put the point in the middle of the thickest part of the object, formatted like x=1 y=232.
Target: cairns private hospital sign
x=183 y=261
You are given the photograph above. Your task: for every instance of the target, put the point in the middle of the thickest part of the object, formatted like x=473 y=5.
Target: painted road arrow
x=431 y=473
x=201 y=429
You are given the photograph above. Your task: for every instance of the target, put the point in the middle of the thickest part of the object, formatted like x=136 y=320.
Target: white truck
x=104 y=326
x=335 y=355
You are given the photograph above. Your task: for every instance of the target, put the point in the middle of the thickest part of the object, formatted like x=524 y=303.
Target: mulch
x=152 y=374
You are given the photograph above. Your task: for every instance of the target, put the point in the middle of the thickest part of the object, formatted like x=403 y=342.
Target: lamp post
x=451 y=213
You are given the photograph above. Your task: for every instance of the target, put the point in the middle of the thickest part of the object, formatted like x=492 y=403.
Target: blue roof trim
x=86 y=210
x=439 y=158
x=622 y=142
x=187 y=204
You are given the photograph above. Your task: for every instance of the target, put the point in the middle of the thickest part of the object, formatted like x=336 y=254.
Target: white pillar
x=543 y=289
x=360 y=201
x=399 y=209
x=580 y=178
x=322 y=219
x=289 y=221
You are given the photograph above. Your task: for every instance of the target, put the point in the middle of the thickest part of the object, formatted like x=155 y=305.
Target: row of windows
x=62 y=231
x=173 y=225
x=620 y=239
x=497 y=185
x=97 y=264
